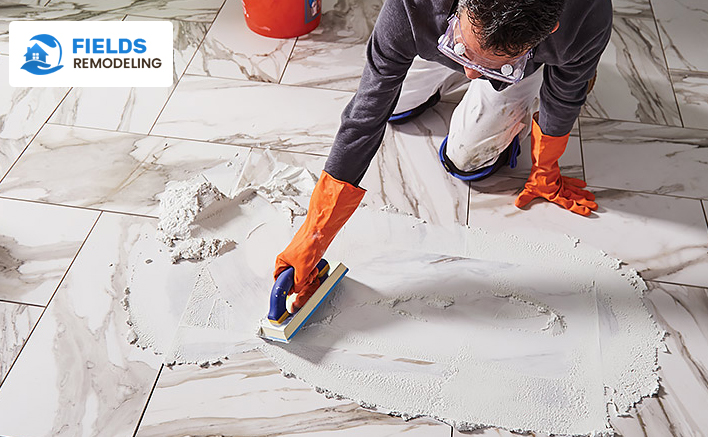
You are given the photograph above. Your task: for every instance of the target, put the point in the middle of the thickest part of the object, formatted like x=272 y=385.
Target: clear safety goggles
x=452 y=46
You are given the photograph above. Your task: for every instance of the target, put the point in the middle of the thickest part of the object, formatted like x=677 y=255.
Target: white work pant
x=485 y=121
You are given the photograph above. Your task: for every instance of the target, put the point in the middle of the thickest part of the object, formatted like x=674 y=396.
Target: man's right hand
x=332 y=203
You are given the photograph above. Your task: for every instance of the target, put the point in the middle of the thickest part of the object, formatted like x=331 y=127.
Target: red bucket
x=282 y=18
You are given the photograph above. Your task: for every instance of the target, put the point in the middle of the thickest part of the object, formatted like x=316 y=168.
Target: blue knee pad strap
x=512 y=152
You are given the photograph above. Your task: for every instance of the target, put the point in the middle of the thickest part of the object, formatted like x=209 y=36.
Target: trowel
x=280 y=325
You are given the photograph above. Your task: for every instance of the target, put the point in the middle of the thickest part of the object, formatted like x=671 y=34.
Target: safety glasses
x=452 y=46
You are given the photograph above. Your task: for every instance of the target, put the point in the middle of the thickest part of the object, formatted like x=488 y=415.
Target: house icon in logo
x=36 y=56
x=35 y=53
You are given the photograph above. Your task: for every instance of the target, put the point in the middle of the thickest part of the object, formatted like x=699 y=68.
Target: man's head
x=511 y=27
x=506 y=29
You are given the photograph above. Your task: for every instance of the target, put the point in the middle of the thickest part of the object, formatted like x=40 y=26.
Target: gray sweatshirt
x=406 y=28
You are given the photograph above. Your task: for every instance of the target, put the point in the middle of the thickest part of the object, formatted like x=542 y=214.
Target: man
x=421 y=50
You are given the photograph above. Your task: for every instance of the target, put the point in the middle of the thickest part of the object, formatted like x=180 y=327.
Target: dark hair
x=511 y=27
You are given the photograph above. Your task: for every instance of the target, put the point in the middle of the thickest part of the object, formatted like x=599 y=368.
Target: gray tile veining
x=130 y=109
x=691 y=90
x=19 y=12
x=37 y=245
x=684 y=29
x=192 y=10
x=678 y=407
x=333 y=55
x=127 y=172
x=23 y=111
x=247 y=395
x=77 y=374
x=408 y=175
x=16 y=323
x=633 y=81
x=232 y=50
x=242 y=112
x=633 y=8
x=664 y=238
x=647 y=158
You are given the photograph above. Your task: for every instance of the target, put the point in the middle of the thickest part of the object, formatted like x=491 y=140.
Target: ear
x=557 y=26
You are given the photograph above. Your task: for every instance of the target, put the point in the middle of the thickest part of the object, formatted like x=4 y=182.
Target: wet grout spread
x=542 y=334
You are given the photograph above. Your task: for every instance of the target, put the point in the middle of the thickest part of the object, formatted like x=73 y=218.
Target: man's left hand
x=546 y=181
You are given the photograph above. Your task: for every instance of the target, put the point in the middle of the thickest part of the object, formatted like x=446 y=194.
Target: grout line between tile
x=679 y=284
x=640 y=122
x=256 y=82
x=167 y=137
x=35 y=136
x=22 y=303
x=84 y=208
x=172 y=19
x=147 y=402
x=285 y=67
x=39 y=320
x=674 y=196
x=666 y=63
x=469 y=201
x=704 y=204
x=598 y=187
x=211 y=24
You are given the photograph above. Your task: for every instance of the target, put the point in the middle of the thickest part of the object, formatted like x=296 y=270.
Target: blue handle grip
x=278 y=313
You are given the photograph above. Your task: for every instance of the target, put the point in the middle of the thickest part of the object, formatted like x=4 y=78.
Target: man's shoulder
x=595 y=13
x=426 y=7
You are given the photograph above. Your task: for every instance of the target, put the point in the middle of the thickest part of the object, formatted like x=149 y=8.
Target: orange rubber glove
x=331 y=205
x=546 y=181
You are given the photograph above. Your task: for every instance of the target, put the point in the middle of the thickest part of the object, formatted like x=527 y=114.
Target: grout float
x=472 y=328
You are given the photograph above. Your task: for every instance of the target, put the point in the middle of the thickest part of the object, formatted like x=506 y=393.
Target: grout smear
x=475 y=329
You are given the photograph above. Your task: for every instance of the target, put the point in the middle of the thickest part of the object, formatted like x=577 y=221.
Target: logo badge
x=43 y=55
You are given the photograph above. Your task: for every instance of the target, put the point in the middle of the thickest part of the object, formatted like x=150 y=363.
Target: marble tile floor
x=81 y=171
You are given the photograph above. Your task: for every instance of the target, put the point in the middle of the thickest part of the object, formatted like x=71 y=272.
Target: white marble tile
x=684 y=30
x=664 y=238
x=240 y=112
x=108 y=170
x=247 y=395
x=407 y=175
x=16 y=323
x=679 y=408
x=130 y=109
x=100 y=10
x=571 y=163
x=37 y=244
x=23 y=111
x=16 y=11
x=191 y=10
x=231 y=50
x=633 y=81
x=639 y=157
x=692 y=95
x=333 y=55
x=632 y=8
x=78 y=374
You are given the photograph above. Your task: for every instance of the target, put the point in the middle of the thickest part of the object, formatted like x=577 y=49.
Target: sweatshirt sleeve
x=564 y=88
x=389 y=54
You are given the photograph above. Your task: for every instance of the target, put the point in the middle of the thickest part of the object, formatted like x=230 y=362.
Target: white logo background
x=158 y=43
